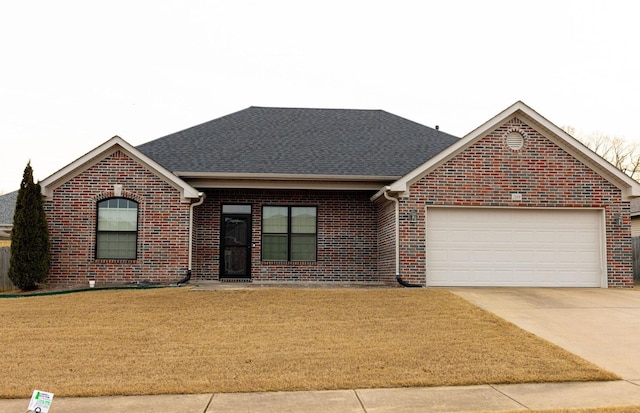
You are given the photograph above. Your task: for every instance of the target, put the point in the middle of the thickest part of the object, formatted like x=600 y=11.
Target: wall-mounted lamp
x=413 y=215
x=617 y=219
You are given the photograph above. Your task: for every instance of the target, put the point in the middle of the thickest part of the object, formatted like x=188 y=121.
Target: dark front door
x=235 y=258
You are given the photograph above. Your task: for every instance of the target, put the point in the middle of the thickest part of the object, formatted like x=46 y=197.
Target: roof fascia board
x=207 y=183
x=285 y=181
x=402 y=185
x=284 y=177
x=629 y=187
x=107 y=148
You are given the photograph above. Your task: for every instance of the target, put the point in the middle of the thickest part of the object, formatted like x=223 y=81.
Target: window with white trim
x=117 y=229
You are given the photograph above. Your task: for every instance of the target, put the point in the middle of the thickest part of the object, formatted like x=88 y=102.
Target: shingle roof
x=7 y=207
x=300 y=141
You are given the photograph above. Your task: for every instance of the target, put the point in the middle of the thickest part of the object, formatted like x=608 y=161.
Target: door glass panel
x=235 y=230
x=236 y=256
x=236 y=209
x=235 y=261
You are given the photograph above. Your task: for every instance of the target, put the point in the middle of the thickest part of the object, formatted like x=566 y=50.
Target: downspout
x=195 y=204
x=397 y=229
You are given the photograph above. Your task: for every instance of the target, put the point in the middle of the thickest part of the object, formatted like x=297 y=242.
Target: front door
x=235 y=242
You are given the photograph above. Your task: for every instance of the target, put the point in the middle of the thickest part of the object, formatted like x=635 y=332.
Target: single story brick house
x=290 y=195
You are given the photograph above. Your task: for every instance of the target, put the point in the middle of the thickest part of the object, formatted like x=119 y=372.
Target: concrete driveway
x=599 y=325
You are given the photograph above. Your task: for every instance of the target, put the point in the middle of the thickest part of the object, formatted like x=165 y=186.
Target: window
x=289 y=233
x=117 y=234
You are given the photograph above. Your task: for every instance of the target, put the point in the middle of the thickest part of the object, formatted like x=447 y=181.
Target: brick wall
x=386 y=265
x=346 y=235
x=488 y=172
x=163 y=226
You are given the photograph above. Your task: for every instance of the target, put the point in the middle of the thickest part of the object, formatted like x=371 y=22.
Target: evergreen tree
x=30 y=248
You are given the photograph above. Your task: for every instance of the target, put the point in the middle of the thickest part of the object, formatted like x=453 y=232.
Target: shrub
x=30 y=247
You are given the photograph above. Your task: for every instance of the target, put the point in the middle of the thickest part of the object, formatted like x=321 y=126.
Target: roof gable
x=630 y=188
x=300 y=142
x=112 y=145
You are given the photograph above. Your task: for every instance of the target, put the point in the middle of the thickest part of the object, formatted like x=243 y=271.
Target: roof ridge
x=310 y=108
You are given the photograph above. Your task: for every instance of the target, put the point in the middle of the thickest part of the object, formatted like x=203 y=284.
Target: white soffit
x=285 y=181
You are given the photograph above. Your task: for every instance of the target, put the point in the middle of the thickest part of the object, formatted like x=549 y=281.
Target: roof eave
x=629 y=187
x=219 y=180
x=94 y=156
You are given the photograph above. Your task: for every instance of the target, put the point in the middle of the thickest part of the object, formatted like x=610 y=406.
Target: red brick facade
x=386 y=242
x=163 y=226
x=346 y=230
x=346 y=234
x=355 y=237
x=488 y=172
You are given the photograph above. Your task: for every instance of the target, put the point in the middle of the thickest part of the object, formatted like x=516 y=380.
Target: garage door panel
x=588 y=257
x=503 y=256
x=542 y=237
x=519 y=247
x=497 y=235
x=520 y=236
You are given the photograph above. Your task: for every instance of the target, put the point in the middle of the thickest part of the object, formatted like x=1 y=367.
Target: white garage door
x=514 y=247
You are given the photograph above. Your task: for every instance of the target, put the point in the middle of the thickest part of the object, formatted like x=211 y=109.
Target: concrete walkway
x=599 y=325
x=514 y=397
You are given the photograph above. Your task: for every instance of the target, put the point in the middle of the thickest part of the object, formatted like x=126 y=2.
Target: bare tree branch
x=622 y=154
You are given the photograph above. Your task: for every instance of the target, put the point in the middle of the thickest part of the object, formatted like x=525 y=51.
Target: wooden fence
x=5 y=282
x=636 y=259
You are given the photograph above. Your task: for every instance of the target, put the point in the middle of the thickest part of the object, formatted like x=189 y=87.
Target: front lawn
x=129 y=342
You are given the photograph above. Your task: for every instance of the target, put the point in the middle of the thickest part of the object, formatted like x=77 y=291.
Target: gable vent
x=515 y=141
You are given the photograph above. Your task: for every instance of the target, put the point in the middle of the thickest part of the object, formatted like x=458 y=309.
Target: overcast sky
x=75 y=73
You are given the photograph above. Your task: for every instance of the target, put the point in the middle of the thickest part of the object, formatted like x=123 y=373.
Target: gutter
x=187 y=277
x=385 y=193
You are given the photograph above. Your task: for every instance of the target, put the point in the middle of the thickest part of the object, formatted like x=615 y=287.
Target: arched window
x=117 y=231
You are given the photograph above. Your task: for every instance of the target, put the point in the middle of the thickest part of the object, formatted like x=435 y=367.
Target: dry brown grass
x=177 y=341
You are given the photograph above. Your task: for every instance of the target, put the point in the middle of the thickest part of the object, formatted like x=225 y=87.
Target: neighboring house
x=288 y=195
x=7 y=208
x=635 y=217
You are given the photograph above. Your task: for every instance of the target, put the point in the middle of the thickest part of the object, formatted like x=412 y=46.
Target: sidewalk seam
x=509 y=397
x=209 y=403
x=364 y=409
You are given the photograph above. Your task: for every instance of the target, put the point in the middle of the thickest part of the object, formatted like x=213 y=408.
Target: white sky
x=75 y=73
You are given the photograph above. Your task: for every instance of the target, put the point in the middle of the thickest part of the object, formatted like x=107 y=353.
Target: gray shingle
x=301 y=141
x=7 y=207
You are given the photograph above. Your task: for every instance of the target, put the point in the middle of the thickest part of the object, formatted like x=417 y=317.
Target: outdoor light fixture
x=413 y=215
x=617 y=218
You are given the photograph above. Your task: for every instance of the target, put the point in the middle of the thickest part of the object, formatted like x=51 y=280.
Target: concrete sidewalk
x=512 y=397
